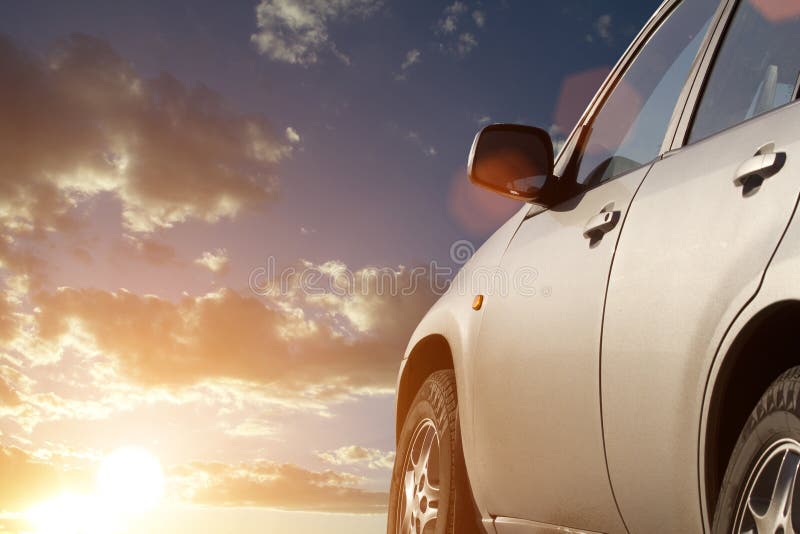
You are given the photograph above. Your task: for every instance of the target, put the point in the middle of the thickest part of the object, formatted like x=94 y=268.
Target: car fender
x=453 y=319
x=778 y=284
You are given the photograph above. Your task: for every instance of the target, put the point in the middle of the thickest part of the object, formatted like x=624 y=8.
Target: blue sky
x=358 y=157
x=338 y=136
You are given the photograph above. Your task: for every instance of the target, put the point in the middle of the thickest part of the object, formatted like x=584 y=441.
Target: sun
x=130 y=480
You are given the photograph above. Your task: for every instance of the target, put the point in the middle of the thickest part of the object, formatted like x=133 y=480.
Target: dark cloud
x=81 y=121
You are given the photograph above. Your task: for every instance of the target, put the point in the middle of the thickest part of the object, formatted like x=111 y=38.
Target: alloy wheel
x=419 y=501
x=769 y=504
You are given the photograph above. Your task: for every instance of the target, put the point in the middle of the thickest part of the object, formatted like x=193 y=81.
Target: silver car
x=622 y=355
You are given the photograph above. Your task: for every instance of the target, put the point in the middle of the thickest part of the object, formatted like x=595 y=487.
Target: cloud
x=8 y=321
x=93 y=394
x=252 y=428
x=292 y=135
x=33 y=477
x=296 y=31
x=14 y=388
x=483 y=120
x=479 y=17
x=217 y=261
x=428 y=150
x=27 y=479
x=450 y=18
x=411 y=58
x=89 y=388
x=602 y=28
x=466 y=42
x=356 y=455
x=20 y=264
x=274 y=485
x=167 y=152
x=297 y=342
x=457 y=42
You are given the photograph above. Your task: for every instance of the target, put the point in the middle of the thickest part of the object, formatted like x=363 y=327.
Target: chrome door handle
x=760 y=165
x=601 y=223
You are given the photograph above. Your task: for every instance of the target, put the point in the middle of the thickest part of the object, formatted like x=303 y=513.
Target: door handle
x=761 y=165
x=601 y=223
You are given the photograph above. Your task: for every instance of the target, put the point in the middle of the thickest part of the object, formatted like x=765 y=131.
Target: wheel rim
x=769 y=504
x=419 y=500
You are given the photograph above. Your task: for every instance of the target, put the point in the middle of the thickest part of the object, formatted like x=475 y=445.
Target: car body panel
x=779 y=284
x=508 y=525
x=653 y=435
x=453 y=318
x=691 y=255
x=536 y=387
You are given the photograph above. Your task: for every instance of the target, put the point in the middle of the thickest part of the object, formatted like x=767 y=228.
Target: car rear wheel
x=760 y=493
x=430 y=493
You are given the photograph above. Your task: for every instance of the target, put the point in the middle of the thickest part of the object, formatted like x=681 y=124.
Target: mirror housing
x=512 y=160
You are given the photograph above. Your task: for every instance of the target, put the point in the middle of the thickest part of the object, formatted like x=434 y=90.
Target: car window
x=629 y=129
x=756 y=69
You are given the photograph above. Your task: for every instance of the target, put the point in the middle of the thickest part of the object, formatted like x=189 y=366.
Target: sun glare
x=130 y=482
x=69 y=514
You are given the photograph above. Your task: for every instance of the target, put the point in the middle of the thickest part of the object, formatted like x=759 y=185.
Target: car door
x=538 y=438
x=697 y=239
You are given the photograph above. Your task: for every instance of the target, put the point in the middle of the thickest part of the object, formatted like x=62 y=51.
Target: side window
x=756 y=69
x=629 y=129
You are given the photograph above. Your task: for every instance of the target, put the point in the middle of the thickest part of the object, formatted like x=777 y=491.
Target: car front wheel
x=429 y=492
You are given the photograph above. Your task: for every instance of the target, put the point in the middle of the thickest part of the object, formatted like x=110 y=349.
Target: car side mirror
x=512 y=160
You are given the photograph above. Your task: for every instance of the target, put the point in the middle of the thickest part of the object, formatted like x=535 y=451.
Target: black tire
x=774 y=421
x=436 y=402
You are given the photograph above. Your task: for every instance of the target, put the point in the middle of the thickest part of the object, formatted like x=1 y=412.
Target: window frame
x=697 y=91
x=568 y=155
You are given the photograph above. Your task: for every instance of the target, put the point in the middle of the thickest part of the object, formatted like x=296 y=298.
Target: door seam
x=600 y=347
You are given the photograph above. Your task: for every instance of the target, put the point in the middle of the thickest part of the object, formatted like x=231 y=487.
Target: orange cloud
x=8 y=322
x=310 y=345
x=216 y=261
x=274 y=485
x=12 y=384
x=26 y=479
x=355 y=455
x=18 y=261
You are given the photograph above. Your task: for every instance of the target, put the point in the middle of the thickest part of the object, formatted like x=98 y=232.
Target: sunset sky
x=155 y=155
